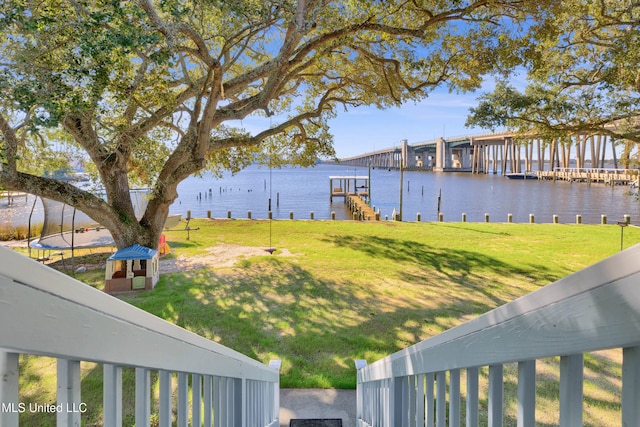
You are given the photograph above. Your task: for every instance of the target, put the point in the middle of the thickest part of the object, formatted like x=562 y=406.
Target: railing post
x=496 y=388
x=222 y=402
x=68 y=392
x=183 y=399
x=360 y=364
x=143 y=397
x=164 y=404
x=208 y=400
x=255 y=392
x=409 y=400
x=527 y=393
x=454 y=398
x=242 y=403
x=571 y=390
x=395 y=402
x=472 y=398
x=112 y=396
x=9 y=388
x=630 y=386
x=441 y=398
x=196 y=399
x=420 y=400
x=217 y=401
x=429 y=397
x=276 y=364
x=230 y=402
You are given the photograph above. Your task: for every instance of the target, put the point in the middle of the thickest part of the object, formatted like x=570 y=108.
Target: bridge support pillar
x=443 y=156
x=408 y=155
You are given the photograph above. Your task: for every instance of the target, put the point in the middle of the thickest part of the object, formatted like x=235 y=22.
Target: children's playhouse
x=132 y=268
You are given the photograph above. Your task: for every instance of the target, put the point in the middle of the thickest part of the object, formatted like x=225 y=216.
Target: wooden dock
x=360 y=209
x=343 y=186
x=589 y=175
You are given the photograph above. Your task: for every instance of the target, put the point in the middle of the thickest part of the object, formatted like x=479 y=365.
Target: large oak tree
x=154 y=91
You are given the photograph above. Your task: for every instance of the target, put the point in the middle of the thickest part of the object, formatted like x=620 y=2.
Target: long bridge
x=494 y=153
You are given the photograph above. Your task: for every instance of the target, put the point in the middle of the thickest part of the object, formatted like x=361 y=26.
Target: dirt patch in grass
x=222 y=255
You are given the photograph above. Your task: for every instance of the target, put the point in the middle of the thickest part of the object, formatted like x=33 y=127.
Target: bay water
x=306 y=190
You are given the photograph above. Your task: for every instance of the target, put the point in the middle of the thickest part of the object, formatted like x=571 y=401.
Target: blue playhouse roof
x=133 y=252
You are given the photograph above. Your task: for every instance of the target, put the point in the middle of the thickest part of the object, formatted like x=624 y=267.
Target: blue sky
x=362 y=130
x=365 y=129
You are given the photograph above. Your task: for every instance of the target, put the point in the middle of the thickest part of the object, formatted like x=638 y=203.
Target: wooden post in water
x=369 y=187
x=399 y=216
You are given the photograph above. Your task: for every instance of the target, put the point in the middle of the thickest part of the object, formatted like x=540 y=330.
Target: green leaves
x=582 y=64
x=151 y=89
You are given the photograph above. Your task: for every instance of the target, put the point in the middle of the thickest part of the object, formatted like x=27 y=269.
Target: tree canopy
x=583 y=67
x=153 y=91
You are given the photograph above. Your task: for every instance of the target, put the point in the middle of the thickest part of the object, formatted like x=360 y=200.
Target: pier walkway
x=591 y=175
x=360 y=209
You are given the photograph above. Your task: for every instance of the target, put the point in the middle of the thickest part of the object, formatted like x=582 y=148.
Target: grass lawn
x=336 y=291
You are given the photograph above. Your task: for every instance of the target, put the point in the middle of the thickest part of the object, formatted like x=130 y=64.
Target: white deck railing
x=594 y=309
x=44 y=312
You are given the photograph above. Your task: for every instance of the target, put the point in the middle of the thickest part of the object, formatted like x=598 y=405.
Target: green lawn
x=361 y=290
x=336 y=291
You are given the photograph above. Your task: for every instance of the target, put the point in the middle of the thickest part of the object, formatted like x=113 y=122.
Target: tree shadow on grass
x=275 y=308
x=438 y=266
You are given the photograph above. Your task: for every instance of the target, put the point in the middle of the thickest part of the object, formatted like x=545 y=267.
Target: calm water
x=302 y=191
x=307 y=190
